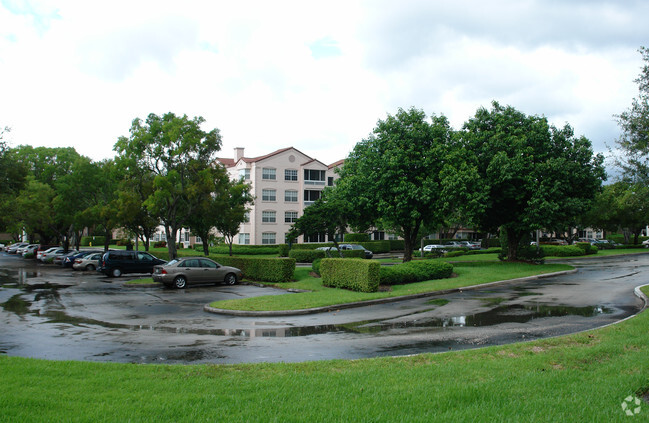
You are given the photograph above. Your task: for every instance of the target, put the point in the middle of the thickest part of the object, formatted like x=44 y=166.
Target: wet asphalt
x=60 y=314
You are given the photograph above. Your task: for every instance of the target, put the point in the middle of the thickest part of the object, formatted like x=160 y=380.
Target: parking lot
x=54 y=313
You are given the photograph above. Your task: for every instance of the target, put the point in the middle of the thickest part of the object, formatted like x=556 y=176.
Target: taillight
x=163 y=271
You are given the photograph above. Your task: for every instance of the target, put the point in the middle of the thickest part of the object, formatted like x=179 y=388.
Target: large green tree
x=175 y=149
x=400 y=177
x=234 y=206
x=533 y=175
x=12 y=178
x=634 y=122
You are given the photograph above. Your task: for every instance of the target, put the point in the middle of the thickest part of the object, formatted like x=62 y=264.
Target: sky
x=316 y=76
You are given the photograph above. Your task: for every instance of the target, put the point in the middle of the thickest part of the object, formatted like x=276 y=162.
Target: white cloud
x=313 y=76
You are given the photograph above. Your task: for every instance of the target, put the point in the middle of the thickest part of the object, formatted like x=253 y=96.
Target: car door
x=212 y=272
x=192 y=271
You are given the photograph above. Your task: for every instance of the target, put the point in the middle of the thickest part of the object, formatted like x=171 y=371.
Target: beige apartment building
x=283 y=183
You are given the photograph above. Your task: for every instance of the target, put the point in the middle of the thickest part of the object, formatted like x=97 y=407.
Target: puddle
x=20 y=276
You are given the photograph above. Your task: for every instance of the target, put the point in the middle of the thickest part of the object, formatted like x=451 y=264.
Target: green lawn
x=577 y=378
x=320 y=296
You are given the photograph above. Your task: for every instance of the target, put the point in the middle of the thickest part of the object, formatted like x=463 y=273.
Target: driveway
x=53 y=313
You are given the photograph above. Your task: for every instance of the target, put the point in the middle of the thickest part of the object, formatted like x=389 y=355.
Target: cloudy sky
x=313 y=75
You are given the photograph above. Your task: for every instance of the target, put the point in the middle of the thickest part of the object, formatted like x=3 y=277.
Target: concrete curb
x=326 y=309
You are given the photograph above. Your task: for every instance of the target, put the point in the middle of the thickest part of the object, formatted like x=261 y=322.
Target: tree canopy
x=533 y=175
x=175 y=150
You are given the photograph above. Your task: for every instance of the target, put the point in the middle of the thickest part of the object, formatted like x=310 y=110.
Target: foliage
x=403 y=175
x=563 y=250
x=283 y=250
x=230 y=210
x=354 y=274
x=356 y=238
x=587 y=247
x=634 y=122
x=532 y=175
x=415 y=271
x=306 y=256
x=180 y=155
x=94 y=240
x=261 y=269
x=315 y=266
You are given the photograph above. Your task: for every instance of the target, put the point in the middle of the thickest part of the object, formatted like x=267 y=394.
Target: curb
x=336 y=307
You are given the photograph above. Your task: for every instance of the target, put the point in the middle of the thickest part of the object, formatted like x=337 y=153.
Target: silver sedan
x=195 y=270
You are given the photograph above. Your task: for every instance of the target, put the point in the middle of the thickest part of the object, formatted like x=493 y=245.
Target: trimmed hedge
x=283 y=250
x=353 y=274
x=397 y=244
x=562 y=251
x=587 y=247
x=306 y=256
x=315 y=266
x=415 y=271
x=261 y=269
x=242 y=250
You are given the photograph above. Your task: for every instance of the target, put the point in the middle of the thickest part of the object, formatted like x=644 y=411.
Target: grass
x=320 y=296
x=577 y=378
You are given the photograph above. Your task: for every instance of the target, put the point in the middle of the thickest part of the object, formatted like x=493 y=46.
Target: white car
x=89 y=262
x=645 y=243
x=431 y=247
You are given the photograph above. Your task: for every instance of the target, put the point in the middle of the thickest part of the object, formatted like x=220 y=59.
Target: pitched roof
x=231 y=162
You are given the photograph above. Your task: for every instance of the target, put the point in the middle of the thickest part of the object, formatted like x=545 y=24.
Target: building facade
x=283 y=184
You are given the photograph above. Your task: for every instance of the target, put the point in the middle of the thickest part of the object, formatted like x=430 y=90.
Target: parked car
x=49 y=255
x=41 y=252
x=59 y=258
x=88 y=261
x=2 y=247
x=30 y=249
x=195 y=270
x=69 y=261
x=13 y=248
x=470 y=245
x=118 y=262
x=430 y=247
x=368 y=253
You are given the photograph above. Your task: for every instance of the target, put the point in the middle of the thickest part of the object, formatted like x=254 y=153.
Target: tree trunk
x=171 y=241
x=513 y=240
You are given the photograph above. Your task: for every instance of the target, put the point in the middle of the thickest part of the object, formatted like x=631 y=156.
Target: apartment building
x=283 y=183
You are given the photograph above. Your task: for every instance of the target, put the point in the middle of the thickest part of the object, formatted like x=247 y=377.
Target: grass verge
x=577 y=378
x=320 y=296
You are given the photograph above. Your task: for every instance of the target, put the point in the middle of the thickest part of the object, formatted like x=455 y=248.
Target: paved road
x=54 y=313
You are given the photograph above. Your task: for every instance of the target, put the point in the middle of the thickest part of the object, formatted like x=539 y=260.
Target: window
x=317 y=237
x=290 y=217
x=314 y=177
x=290 y=175
x=244 y=174
x=268 y=174
x=268 y=238
x=244 y=239
x=310 y=196
x=268 y=195
x=288 y=240
x=268 y=217
x=290 y=196
x=246 y=217
x=330 y=181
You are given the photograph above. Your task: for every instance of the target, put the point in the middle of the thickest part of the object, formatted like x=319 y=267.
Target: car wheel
x=116 y=273
x=230 y=279
x=180 y=282
x=90 y=267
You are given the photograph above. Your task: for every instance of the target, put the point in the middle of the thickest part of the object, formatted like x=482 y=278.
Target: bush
x=261 y=269
x=377 y=247
x=315 y=266
x=306 y=256
x=415 y=271
x=562 y=251
x=587 y=247
x=356 y=238
x=494 y=250
x=283 y=250
x=243 y=250
x=95 y=240
x=311 y=245
x=354 y=274
x=160 y=244
x=397 y=244
x=455 y=253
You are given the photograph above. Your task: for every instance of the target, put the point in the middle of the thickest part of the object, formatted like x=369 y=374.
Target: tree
x=175 y=150
x=13 y=178
x=237 y=198
x=622 y=205
x=329 y=214
x=533 y=175
x=634 y=141
x=398 y=177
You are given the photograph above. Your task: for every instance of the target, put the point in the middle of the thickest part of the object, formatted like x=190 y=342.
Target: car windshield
x=172 y=262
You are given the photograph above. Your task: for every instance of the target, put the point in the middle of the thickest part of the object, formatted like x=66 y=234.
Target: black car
x=368 y=253
x=117 y=262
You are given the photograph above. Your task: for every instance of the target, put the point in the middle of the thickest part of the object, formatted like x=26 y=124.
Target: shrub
x=587 y=247
x=261 y=269
x=415 y=271
x=315 y=266
x=357 y=238
x=494 y=250
x=397 y=244
x=354 y=274
x=377 y=247
x=311 y=245
x=306 y=256
x=455 y=253
x=242 y=250
x=283 y=250
x=160 y=244
x=562 y=250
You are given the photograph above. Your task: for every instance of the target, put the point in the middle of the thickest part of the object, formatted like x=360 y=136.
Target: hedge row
x=356 y=238
x=415 y=271
x=262 y=269
x=95 y=240
x=308 y=256
x=354 y=274
x=563 y=250
x=242 y=250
